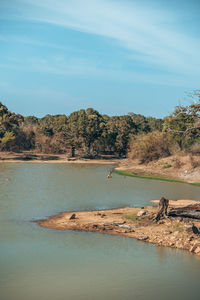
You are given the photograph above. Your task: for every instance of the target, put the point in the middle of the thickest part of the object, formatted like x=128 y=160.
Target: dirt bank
x=133 y=222
x=178 y=168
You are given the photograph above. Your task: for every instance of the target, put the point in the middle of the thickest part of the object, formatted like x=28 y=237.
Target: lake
x=39 y=263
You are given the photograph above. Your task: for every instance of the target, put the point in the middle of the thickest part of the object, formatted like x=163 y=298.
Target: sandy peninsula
x=135 y=222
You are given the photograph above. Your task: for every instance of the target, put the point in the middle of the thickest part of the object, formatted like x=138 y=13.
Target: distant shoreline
x=32 y=157
x=124 y=167
x=78 y=161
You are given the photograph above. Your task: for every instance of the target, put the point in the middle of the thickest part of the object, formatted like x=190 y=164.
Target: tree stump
x=163 y=206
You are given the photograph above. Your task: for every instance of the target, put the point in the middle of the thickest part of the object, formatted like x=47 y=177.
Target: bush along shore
x=180 y=229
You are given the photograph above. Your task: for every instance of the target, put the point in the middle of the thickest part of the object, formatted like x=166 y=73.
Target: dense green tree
x=87 y=132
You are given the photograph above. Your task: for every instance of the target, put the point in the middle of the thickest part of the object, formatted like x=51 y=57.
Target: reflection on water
x=48 y=264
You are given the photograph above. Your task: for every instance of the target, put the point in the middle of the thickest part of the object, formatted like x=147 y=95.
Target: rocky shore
x=136 y=222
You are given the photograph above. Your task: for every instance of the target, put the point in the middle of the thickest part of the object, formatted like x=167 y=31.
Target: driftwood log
x=190 y=211
x=163 y=206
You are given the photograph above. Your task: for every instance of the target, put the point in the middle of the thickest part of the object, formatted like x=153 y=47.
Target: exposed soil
x=134 y=222
x=185 y=168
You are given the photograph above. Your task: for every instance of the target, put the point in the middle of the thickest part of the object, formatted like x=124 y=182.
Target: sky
x=117 y=56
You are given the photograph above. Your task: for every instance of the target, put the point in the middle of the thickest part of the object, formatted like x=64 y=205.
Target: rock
x=73 y=216
x=197 y=250
x=118 y=224
x=141 y=213
x=95 y=226
x=167 y=223
x=176 y=233
x=188 y=227
x=142 y=238
x=171 y=244
x=195 y=229
x=125 y=226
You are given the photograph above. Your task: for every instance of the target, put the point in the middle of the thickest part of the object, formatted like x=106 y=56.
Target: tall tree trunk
x=72 y=151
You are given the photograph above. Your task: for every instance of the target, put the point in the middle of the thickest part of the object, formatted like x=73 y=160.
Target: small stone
x=195 y=229
x=143 y=238
x=73 y=216
x=161 y=222
x=125 y=226
x=167 y=223
x=188 y=227
x=176 y=233
x=141 y=213
x=197 y=250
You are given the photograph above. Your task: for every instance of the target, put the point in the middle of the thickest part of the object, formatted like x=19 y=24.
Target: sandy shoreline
x=85 y=161
x=133 y=222
x=32 y=157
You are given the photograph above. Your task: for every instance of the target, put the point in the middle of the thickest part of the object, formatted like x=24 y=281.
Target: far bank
x=176 y=168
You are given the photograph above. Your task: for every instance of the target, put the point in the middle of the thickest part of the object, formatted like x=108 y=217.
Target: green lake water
x=38 y=263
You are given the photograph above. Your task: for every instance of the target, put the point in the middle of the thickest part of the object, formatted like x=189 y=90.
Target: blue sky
x=117 y=56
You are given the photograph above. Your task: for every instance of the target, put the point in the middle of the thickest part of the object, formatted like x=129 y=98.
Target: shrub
x=195 y=148
x=166 y=166
x=148 y=147
x=7 y=140
x=177 y=163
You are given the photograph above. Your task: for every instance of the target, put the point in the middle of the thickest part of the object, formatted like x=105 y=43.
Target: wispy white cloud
x=61 y=65
x=151 y=36
x=133 y=27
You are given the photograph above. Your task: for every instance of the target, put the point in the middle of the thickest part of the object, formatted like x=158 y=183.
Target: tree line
x=88 y=133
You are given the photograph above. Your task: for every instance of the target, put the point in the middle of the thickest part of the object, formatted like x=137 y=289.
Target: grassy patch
x=195 y=183
x=125 y=173
x=166 y=166
x=133 y=218
x=177 y=227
